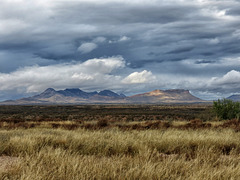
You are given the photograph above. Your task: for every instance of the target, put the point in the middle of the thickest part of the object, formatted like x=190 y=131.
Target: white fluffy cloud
x=139 y=77
x=214 y=41
x=103 y=66
x=121 y=39
x=99 y=39
x=213 y=88
x=124 y=38
x=87 y=47
x=230 y=80
x=91 y=73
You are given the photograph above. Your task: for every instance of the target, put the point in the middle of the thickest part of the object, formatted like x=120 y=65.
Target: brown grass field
x=117 y=142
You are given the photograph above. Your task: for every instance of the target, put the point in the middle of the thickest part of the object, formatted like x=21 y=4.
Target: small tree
x=226 y=109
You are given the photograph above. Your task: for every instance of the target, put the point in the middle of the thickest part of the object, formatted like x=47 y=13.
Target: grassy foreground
x=115 y=154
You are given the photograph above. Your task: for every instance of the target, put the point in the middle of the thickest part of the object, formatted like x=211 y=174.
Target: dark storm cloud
x=190 y=38
x=121 y=13
x=204 y=62
x=235 y=11
x=149 y=25
x=181 y=50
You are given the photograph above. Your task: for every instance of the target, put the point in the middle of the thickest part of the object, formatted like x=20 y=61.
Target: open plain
x=117 y=142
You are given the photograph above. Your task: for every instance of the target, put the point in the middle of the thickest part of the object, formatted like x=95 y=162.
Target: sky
x=126 y=46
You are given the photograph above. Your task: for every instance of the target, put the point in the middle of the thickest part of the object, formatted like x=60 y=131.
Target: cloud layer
x=192 y=44
x=93 y=74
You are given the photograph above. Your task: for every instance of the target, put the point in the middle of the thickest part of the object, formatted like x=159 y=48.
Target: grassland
x=112 y=142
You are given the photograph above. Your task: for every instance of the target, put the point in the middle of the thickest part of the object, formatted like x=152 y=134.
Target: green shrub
x=226 y=109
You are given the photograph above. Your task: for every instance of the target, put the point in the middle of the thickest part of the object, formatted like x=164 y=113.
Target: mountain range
x=235 y=97
x=77 y=96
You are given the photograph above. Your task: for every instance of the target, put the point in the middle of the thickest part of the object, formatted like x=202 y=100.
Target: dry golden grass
x=114 y=154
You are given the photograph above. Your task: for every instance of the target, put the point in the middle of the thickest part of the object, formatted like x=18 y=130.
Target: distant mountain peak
x=156 y=92
x=77 y=93
x=74 y=92
x=108 y=93
x=171 y=95
x=50 y=90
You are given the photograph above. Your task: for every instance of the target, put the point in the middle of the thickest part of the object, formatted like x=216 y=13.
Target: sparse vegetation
x=119 y=113
x=226 y=109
